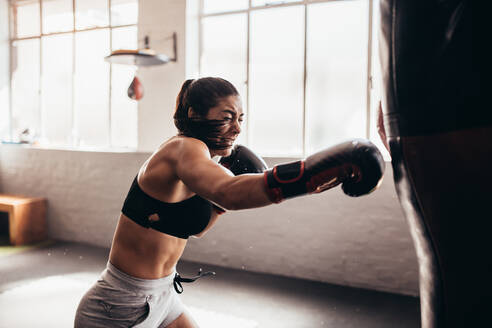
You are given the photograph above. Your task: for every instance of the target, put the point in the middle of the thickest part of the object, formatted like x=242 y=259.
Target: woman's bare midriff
x=144 y=253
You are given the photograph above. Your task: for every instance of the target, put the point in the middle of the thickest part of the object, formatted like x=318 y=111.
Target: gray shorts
x=120 y=300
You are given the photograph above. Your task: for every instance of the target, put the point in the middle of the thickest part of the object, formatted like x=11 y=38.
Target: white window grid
x=279 y=4
x=12 y=38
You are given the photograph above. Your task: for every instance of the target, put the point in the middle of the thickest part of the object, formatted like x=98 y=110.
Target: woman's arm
x=355 y=164
x=214 y=182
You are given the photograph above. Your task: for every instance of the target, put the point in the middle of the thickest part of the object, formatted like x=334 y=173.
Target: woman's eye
x=227 y=118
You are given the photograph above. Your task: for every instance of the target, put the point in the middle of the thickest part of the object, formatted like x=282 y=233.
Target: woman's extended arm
x=214 y=182
x=355 y=164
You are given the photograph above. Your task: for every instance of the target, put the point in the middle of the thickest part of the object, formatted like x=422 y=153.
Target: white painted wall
x=4 y=69
x=362 y=242
x=159 y=19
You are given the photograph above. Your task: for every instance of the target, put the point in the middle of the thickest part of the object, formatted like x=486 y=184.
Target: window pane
x=91 y=13
x=123 y=109
x=4 y=115
x=124 y=12
x=336 y=72
x=214 y=6
x=27 y=18
x=4 y=76
x=376 y=92
x=124 y=38
x=57 y=16
x=25 y=87
x=276 y=80
x=4 y=109
x=271 y=2
x=56 y=89
x=224 y=52
x=91 y=88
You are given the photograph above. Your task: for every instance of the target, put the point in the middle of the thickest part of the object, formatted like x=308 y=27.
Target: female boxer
x=180 y=191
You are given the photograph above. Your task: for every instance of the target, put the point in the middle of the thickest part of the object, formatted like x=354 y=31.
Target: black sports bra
x=183 y=219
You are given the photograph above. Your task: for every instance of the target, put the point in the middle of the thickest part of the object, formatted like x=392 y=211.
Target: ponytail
x=181 y=111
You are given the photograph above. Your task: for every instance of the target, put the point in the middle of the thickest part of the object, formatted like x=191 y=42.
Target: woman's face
x=229 y=110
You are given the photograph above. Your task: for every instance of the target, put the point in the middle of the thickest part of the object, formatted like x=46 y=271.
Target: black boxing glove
x=357 y=165
x=243 y=160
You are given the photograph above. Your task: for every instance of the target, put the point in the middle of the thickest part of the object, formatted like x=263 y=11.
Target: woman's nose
x=236 y=127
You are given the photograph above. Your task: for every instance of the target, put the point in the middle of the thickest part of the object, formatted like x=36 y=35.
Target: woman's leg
x=178 y=315
x=103 y=306
x=185 y=320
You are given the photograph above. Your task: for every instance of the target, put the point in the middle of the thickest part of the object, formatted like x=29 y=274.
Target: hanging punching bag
x=440 y=136
x=135 y=90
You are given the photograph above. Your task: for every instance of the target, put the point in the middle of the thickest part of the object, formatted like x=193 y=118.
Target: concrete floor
x=42 y=286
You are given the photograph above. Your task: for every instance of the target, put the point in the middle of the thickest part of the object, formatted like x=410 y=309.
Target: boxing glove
x=243 y=160
x=357 y=165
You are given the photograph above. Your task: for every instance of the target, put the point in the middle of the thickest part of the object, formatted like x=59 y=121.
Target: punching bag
x=135 y=90
x=440 y=138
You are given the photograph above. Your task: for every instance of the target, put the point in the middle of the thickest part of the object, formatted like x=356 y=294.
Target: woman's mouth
x=229 y=142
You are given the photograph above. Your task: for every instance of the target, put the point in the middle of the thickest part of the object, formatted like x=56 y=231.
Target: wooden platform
x=27 y=218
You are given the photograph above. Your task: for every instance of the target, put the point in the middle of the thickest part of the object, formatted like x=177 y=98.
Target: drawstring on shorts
x=178 y=279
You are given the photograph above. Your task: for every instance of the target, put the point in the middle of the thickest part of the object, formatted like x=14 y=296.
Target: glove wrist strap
x=285 y=181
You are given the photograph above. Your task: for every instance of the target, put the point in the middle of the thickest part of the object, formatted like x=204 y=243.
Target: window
x=63 y=93
x=302 y=67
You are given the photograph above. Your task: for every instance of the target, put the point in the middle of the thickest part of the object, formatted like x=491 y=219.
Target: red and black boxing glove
x=358 y=165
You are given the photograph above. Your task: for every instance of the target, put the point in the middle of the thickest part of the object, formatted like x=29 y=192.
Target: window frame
x=279 y=4
x=12 y=24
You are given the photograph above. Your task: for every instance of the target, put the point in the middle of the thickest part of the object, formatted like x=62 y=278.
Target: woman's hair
x=201 y=95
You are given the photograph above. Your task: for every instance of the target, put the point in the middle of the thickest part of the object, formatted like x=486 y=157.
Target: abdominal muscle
x=142 y=252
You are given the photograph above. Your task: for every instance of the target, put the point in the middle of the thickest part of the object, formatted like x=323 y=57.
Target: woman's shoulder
x=170 y=154
x=187 y=141
x=184 y=145
x=181 y=145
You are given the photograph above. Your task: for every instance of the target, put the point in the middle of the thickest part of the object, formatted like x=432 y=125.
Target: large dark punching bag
x=439 y=131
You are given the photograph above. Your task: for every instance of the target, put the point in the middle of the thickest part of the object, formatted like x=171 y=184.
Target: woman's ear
x=191 y=113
